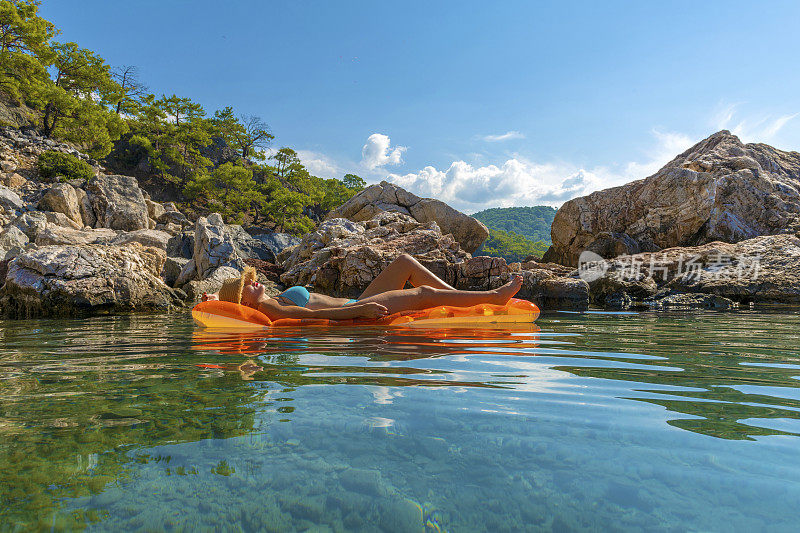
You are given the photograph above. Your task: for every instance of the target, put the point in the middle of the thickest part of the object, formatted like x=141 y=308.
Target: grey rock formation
x=172 y=269
x=86 y=279
x=762 y=270
x=173 y=217
x=10 y=202
x=342 y=257
x=467 y=231
x=53 y=234
x=214 y=246
x=12 y=242
x=62 y=198
x=145 y=237
x=118 y=203
x=276 y=242
x=720 y=189
x=181 y=245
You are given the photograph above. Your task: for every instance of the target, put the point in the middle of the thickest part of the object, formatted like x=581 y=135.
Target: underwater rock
x=693 y=301
x=718 y=190
x=84 y=280
x=361 y=480
x=467 y=231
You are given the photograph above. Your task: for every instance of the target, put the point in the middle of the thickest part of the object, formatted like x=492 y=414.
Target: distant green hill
x=511 y=246
x=532 y=222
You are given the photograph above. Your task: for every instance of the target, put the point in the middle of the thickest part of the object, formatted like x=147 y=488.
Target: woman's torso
x=315 y=301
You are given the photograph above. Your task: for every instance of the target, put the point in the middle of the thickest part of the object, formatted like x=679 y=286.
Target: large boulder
x=62 y=198
x=86 y=279
x=720 y=189
x=763 y=269
x=342 y=257
x=385 y=196
x=118 y=203
x=214 y=246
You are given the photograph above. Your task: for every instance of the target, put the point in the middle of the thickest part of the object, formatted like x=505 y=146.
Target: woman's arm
x=274 y=310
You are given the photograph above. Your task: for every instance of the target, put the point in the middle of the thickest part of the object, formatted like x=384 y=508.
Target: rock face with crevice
x=718 y=190
x=467 y=231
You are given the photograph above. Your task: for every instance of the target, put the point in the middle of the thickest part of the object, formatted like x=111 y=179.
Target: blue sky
x=480 y=104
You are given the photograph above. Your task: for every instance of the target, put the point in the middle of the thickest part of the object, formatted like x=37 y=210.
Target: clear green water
x=609 y=422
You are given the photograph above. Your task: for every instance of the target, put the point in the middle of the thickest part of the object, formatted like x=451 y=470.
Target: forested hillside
x=532 y=222
x=206 y=161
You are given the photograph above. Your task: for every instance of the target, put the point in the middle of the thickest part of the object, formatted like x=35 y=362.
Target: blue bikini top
x=298 y=295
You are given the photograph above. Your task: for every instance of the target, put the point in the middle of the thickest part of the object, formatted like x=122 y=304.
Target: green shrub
x=69 y=167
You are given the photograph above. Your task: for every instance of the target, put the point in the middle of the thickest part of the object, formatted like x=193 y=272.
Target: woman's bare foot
x=507 y=291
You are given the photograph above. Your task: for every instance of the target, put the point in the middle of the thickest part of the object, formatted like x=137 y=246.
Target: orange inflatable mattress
x=216 y=314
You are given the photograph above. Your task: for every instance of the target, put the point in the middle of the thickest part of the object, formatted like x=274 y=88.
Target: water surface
x=613 y=422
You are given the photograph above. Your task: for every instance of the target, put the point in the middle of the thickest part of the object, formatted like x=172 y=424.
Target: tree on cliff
x=248 y=134
x=75 y=105
x=24 y=50
x=132 y=90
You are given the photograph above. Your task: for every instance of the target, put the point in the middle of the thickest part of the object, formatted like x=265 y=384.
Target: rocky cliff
x=718 y=190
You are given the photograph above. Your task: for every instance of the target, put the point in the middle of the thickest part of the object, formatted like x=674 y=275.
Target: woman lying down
x=384 y=296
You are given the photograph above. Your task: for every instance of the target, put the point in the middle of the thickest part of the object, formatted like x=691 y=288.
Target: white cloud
x=759 y=128
x=507 y=136
x=377 y=152
x=320 y=165
x=519 y=181
x=515 y=182
x=668 y=145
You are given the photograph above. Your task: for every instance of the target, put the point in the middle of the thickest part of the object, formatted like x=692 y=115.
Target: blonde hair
x=231 y=290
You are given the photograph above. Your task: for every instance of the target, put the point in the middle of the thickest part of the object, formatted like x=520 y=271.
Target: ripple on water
x=585 y=421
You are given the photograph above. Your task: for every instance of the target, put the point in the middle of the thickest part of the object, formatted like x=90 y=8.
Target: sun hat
x=231 y=290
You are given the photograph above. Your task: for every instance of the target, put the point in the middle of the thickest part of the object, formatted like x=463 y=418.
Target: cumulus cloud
x=519 y=181
x=319 y=164
x=378 y=152
x=507 y=136
x=515 y=182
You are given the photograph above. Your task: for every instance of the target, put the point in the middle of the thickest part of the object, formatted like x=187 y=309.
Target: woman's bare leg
x=403 y=269
x=426 y=296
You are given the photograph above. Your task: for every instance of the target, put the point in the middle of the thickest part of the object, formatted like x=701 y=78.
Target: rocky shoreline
x=102 y=246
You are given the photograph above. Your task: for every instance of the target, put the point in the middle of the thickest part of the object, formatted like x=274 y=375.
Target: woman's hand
x=372 y=310
x=207 y=297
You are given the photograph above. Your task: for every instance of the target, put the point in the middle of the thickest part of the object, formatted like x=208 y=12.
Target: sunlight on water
x=597 y=421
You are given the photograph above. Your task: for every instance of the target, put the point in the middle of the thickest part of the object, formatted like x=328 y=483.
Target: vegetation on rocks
x=178 y=150
x=54 y=164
